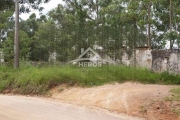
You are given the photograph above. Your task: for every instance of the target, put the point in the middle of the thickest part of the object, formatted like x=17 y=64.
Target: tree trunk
x=170 y=22
x=149 y=26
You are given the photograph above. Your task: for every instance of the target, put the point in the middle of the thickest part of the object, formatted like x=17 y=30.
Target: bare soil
x=13 y=107
x=134 y=99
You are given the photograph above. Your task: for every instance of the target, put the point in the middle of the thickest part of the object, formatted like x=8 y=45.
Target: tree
x=24 y=46
x=5 y=17
x=43 y=42
x=34 y=4
x=30 y=26
x=167 y=14
x=65 y=32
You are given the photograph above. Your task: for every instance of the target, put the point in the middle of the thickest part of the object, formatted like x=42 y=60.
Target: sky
x=47 y=7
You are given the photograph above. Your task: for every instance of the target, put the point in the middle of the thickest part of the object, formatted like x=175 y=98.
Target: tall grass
x=37 y=80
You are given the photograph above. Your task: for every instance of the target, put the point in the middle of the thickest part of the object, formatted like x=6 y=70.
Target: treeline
x=111 y=24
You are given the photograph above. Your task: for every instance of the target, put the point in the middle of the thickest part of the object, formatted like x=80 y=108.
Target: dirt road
x=31 y=108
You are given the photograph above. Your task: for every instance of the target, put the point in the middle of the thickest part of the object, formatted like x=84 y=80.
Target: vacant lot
x=86 y=87
x=147 y=101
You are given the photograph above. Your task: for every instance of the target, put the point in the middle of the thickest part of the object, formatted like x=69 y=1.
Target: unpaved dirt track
x=31 y=108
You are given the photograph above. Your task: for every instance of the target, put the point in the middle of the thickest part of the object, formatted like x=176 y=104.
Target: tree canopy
x=111 y=24
x=34 y=4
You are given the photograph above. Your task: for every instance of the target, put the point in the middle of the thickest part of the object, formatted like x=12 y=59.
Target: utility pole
x=16 y=36
x=170 y=23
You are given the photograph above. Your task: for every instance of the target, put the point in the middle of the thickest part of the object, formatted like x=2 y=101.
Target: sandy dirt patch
x=146 y=101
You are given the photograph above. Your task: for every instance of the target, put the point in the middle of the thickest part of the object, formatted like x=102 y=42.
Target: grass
x=177 y=111
x=175 y=96
x=38 y=80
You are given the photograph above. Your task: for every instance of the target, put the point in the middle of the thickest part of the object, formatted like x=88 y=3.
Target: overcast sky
x=47 y=7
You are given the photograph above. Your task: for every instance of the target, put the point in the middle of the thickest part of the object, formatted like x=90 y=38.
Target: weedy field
x=38 y=80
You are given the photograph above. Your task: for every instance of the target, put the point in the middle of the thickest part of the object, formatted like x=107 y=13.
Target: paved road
x=31 y=108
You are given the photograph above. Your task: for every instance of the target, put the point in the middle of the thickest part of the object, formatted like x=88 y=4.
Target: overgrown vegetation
x=175 y=99
x=175 y=95
x=38 y=80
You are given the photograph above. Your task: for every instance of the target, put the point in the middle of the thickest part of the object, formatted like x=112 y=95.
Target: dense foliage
x=111 y=24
